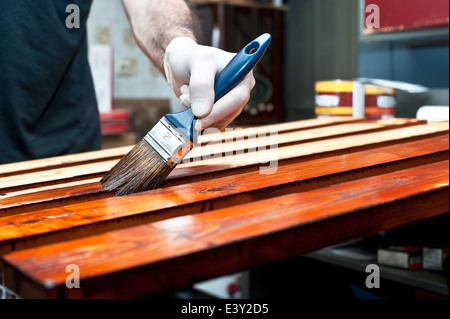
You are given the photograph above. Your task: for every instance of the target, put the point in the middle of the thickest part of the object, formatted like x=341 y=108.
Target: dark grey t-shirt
x=47 y=98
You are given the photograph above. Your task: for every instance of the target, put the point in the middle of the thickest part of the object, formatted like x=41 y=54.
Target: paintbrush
x=150 y=161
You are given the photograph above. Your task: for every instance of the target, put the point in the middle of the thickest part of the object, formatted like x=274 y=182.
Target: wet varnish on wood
x=220 y=211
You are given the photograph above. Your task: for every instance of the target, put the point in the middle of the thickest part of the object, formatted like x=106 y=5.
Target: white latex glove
x=191 y=70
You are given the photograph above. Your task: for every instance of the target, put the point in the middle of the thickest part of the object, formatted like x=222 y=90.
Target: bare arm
x=155 y=23
x=167 y=32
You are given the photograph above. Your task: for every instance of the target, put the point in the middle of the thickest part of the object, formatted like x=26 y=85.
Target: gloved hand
x=190 y=70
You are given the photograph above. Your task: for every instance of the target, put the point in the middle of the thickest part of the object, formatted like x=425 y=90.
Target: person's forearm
x=155 y=23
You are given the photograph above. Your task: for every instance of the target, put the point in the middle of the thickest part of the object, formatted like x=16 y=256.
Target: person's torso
x=47 y=99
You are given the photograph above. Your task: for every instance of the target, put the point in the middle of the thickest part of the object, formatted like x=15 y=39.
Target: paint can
x=353 y=98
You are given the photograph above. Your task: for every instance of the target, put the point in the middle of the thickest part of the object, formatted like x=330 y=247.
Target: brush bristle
x=140 y=170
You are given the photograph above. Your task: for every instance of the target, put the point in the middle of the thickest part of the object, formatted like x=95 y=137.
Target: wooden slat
x=260 y=137
x=26 y=201
x=26 y=167
x=49 y=187
x=337 y=145
x=88 y=171
x=301 y=125
x=72 y=221
x=336 y=179
x=17 y=203
x=117 y=153
x=170 y=254
x=55 y=176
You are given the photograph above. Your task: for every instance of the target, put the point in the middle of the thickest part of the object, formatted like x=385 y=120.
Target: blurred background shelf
x=431 y=281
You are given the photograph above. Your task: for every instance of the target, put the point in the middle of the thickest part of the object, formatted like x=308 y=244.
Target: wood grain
x=117 y=153
x=223 y=160
x=181 y=248
x=302 y=125
x=236 y=202
x=259 y=137
x=321 y=148
x=26 y=167
x=85 y=190
x=244 y=141
x=34 y=228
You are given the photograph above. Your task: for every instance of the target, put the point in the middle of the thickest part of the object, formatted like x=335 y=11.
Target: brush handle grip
x=242 y=63
x=233 y=73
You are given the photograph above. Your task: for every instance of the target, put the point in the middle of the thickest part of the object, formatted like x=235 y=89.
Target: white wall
x=108 y=24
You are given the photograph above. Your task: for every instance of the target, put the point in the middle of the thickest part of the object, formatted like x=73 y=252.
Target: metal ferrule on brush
x=169 y=142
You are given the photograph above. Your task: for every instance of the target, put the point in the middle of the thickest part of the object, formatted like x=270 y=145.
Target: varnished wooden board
x=246 y=142
x=302 y=125
x=42 y=198
x=116 y=153
x=53 y=180
x=256 y=138
x=169 y=254
x=54 y=176
x=45 y=206
x=21 y=230
x=26 y=167
x=362 y=140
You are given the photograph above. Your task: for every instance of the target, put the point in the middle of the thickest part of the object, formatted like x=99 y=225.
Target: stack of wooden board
x=243 y=198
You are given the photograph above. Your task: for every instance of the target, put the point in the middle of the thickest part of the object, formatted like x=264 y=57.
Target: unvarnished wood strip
x=26 y=167
x=233 y=132
x=31 y=229
x=55 y=176
x=253 y=138
x=231 y=239
x=370 y=140
x=271 y=154
x=116 y=153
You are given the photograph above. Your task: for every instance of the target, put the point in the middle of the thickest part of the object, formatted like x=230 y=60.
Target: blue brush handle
x=235 y=71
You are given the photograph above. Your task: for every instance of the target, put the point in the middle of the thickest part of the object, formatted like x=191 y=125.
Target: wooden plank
x=54 y=176
x=85 y=190
x=323 y=147
x=50 y=187
x=258 y=137
x=26 y=167
x=302 y=125
x=116 y=153
x=73 y=221
x=18 y=203
x=170 y=254
x=82 y=170
x=222 y=155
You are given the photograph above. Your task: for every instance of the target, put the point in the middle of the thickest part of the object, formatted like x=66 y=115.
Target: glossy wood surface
x=345 y=178
x=245 y=140
x=116 y=153
x=55 y=181
x=187 y=249
x=211 y=193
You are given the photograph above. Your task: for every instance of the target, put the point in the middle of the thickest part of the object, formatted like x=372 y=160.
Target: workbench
x=245 y=198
